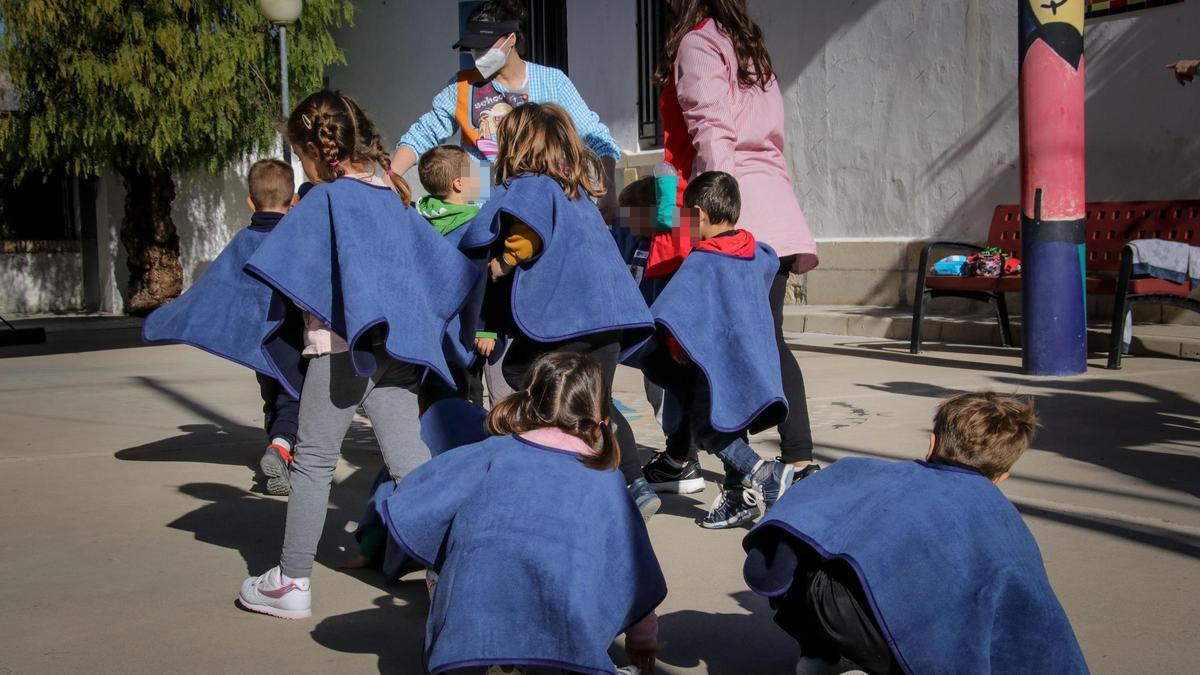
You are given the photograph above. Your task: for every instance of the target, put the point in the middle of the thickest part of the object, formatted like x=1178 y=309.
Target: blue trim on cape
x=227 y=313
x=577 y=284
x=987 y=606
x=717 y=306
x=355 y=257
x=455 y=506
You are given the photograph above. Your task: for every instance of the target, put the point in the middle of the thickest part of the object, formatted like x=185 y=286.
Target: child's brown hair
x=440 y=166
x=271 y=183
x=339 y=132
x=539 y=138
x=985 y=431
x=566 y=391
x=640 y=192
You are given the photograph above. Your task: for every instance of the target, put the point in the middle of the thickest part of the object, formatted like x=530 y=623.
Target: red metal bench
x=1109 y=226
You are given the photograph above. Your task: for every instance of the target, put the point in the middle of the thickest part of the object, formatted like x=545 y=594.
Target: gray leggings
x=332 y=393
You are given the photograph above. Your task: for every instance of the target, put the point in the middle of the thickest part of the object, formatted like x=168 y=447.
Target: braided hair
x=335 y=130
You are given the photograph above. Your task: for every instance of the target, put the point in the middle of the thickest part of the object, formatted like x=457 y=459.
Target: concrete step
x=893 y=323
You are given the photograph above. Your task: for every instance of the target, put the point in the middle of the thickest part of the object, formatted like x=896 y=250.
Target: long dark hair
x=754 y=63
x=495 y=11
x=341 y=133
x=565 y=391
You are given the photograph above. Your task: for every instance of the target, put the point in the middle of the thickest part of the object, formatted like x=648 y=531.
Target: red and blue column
x=1053 y=199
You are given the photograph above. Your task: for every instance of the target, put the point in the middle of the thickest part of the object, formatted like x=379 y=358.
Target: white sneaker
x=268 y=594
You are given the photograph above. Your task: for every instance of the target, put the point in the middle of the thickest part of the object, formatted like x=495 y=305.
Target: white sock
x=282 y=442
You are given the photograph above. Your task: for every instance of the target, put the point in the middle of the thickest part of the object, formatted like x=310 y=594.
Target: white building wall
x=902 y=122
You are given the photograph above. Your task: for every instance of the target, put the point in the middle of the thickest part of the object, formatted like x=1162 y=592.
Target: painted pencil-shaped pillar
x=1052 y=186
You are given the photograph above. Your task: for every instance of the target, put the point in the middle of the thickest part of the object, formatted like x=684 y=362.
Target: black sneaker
x=732 y=508
x=663 y=477
x=807 y=471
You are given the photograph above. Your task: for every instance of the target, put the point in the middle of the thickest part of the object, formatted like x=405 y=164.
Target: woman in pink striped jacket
x=722 y=111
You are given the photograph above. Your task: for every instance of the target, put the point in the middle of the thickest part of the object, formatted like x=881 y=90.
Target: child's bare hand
x=485 y=346
x=495 y=271
x=644 y=659
x=1185 y=71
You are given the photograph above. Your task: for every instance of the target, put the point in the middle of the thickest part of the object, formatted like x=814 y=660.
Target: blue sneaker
x=769 y=480
x=732 y=508
x=648 y=503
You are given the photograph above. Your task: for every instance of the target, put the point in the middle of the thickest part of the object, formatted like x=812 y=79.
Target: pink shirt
x=740 y=131
x=642 y=635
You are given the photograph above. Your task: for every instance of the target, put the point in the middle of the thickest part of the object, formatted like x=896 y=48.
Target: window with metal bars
x=651 y=35
x=37 y=210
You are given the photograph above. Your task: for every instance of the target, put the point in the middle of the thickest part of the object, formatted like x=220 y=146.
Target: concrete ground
x=129 y=512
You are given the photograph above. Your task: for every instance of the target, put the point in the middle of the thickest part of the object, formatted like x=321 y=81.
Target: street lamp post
x=282 y=13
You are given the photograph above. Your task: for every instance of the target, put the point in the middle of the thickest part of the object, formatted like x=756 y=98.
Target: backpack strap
x=462 y=112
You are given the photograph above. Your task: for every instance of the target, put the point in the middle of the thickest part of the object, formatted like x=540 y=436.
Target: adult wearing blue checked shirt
x=475 y=100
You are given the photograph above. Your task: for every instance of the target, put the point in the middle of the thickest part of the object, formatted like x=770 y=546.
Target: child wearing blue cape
x=378 y=287
x=715 y=353
x=920 y=566
x=556 y=276
x=540 y=557
x=191 y=319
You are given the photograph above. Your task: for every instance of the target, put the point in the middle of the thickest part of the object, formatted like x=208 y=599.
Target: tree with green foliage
x=151 y=88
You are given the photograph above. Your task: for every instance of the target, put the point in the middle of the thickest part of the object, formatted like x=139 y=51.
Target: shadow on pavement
x=891 y=352
x=1083 y=420
x=727 y=643
x=394 y=629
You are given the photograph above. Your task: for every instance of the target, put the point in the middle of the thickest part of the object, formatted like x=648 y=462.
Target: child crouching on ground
x=541 y=557
x=714 y=351
x=917 y=567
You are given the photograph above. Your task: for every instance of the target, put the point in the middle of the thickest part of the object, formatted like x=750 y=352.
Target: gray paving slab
x=129 y=513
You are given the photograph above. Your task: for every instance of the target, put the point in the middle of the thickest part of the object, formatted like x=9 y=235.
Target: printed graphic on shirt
x=488 y=108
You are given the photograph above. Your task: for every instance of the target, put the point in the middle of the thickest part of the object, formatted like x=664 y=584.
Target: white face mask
x=490 y=62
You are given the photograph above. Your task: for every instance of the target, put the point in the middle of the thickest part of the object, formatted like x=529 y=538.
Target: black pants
x=827 y=612
x=606 y=349
x=795 y=433
x=281 y=412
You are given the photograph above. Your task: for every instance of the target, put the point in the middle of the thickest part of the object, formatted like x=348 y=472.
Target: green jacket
x=444 y=217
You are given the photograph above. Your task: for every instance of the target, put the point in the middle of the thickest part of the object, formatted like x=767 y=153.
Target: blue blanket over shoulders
x=717 y=306
x=541 y=560
x=953 y=575
x=229 y=313
x=578 y=284
x=354 y=256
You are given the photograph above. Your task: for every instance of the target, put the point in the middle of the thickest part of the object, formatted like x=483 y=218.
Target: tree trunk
x=150 y=240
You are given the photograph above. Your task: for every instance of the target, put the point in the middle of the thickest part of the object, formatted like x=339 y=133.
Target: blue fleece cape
x=445 y=425
x=578 y=284
x=952 y=574
x=541 y=560
x=354 y=256
x=717 y=306
x=231 y=314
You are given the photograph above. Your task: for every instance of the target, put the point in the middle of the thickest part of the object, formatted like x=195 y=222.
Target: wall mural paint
x=1099 y=8
x=1053 y=200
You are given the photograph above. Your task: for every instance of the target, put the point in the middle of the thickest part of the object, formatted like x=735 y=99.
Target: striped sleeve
x=434 y=126
x=703 y=81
